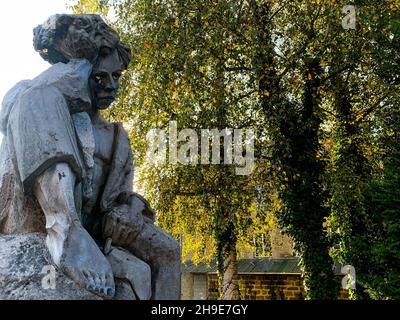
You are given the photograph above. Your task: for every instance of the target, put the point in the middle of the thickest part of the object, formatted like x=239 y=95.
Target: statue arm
x=126 y=212
x=136 y=201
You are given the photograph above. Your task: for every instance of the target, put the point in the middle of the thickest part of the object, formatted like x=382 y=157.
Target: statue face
x=104 y=80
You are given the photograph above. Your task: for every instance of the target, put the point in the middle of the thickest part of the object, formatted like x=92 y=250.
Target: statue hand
x=138 y=204
x=122 y=225
x=138 y=200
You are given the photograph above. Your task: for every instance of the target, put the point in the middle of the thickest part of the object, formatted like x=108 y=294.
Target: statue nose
x=109 y=83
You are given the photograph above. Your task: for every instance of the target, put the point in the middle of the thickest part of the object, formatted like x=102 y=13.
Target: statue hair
x=64 y=37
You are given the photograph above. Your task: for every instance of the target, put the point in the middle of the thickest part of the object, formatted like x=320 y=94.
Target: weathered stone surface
x=123 y=290
x=22 y=259
x=25 y=264
x=127 y=266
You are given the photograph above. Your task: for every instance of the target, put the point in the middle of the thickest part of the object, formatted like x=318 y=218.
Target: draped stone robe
x=44 y=122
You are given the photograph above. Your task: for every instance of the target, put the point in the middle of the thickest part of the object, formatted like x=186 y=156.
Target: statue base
x=27 y=273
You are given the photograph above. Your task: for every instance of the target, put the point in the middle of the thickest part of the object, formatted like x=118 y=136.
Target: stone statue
x=67 y=172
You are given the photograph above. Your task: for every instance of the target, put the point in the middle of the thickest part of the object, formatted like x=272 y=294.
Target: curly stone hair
x=63 y=37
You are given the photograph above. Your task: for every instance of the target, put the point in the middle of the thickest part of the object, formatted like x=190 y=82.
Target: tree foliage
x=323 y=102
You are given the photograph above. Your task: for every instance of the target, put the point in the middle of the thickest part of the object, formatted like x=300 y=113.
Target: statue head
x=64 y=37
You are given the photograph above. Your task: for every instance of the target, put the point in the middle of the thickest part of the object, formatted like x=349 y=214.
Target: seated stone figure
x=67 y=172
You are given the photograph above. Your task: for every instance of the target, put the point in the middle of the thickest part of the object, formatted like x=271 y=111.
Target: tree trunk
x=230 y=283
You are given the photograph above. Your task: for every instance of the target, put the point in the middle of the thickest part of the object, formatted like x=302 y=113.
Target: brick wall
x=266 y=287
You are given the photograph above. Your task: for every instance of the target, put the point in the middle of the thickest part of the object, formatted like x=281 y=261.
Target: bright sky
x=18 y=59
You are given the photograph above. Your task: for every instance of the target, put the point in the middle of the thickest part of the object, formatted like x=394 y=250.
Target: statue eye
x=116 y=75
x=97 y=78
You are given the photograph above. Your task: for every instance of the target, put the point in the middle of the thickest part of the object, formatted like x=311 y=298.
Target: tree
x=360 y=90
x=293 y=118
x=382 y=202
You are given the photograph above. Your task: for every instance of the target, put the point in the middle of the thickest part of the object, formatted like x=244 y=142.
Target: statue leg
x=156 y=247
x=70 y=245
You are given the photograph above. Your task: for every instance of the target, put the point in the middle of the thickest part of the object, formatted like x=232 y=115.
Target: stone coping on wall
x=286 y=265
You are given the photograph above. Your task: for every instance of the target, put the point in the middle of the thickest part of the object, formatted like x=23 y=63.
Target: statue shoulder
x=42 y=92
x=9 y=100
x=26 y=96
x=12 y=94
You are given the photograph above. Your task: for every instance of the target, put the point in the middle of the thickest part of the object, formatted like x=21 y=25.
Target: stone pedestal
x=26 y=273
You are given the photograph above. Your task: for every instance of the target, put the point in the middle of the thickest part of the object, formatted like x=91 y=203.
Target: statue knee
x=174 y=250
x=170 y=253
